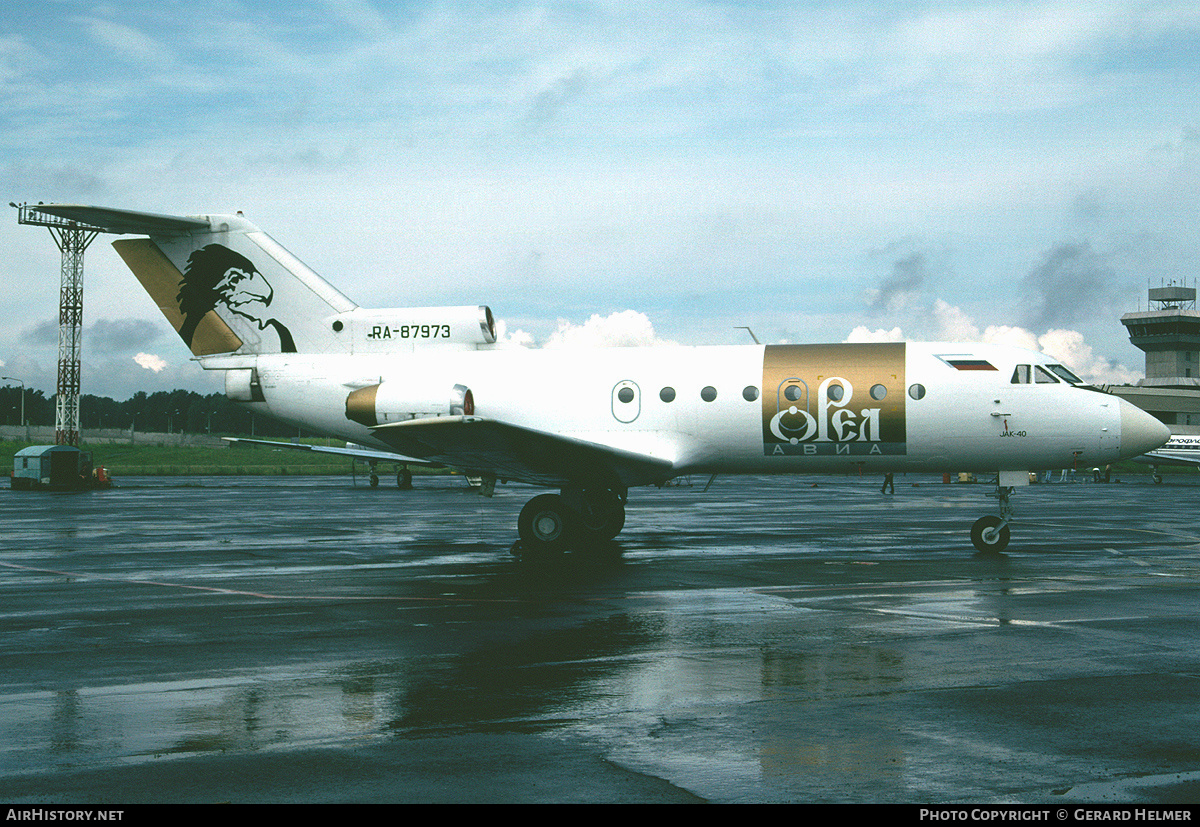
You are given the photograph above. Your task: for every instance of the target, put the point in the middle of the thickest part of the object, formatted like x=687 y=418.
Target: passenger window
x=1021 y=375
x=667 y=394
x=1042 y=376
x=750 y=393
x=916 y=391
x=709 y=393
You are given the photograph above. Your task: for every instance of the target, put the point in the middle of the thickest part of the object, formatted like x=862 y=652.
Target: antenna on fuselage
x=748 y=330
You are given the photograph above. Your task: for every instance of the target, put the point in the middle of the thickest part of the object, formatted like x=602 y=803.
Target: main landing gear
x=403 y=476
x=551 y=523
x=990 y=534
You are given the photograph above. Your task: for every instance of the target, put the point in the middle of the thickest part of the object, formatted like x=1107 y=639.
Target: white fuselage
x=742 y=409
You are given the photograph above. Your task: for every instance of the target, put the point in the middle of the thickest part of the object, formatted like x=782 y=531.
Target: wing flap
x=514 y=452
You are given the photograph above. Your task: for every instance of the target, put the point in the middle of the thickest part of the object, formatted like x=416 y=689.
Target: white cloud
x=516 y=339
x=863 y=334
x=953 y=324
x=1015 y=336
x=627 y=328
x=128 y=42
x=1068 y=347
x=359 y=15
x=150 y=362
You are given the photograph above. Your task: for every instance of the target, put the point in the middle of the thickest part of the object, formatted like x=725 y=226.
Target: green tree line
x=175 y=411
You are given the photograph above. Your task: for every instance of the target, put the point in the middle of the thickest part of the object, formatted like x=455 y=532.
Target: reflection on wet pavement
x=302 y=640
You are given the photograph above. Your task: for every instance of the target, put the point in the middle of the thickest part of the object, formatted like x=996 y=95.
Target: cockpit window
x=1066 y=374
x=1043 y=377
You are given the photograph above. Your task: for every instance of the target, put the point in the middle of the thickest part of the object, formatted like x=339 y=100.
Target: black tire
x=616 y=522
x=602 y=519
x=544 y=525
x=989 y=536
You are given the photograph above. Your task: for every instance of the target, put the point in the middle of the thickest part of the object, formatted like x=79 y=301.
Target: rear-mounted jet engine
x=398 y=402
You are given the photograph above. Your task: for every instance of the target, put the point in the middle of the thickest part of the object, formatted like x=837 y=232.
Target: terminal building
x=1169 y=334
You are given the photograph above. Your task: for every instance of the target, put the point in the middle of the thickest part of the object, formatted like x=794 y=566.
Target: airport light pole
x=22 y=384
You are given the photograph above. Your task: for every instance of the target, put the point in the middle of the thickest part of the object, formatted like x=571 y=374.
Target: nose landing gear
x=990 y=534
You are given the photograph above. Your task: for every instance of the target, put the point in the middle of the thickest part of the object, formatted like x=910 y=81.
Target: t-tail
x=228 y=287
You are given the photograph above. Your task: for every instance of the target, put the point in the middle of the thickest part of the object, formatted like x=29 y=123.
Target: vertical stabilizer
x=206 y=334
x=229 y=287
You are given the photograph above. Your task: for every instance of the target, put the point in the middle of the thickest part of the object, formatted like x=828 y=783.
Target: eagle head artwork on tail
x=216 y=274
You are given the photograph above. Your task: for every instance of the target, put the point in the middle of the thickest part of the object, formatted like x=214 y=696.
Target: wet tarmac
x=769 y=640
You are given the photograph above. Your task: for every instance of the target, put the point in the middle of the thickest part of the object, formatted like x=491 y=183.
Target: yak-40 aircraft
x=431 y=384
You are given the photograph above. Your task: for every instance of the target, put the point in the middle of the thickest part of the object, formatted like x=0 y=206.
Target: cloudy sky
x=622 y=172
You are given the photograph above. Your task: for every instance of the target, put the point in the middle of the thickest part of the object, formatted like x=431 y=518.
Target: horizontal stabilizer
x=513 y=452
x=110 y=220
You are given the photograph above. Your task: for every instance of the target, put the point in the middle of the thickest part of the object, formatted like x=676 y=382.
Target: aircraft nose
x=1140 y=432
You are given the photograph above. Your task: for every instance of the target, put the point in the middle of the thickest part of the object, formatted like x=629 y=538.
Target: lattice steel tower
x=72 y=239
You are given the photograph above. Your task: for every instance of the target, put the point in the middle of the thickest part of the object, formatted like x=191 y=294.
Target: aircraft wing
x=1172 y=455
x=514 y=452
x=365 y=454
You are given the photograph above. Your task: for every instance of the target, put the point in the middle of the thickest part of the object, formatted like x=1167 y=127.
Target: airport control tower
x=1169 y=333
